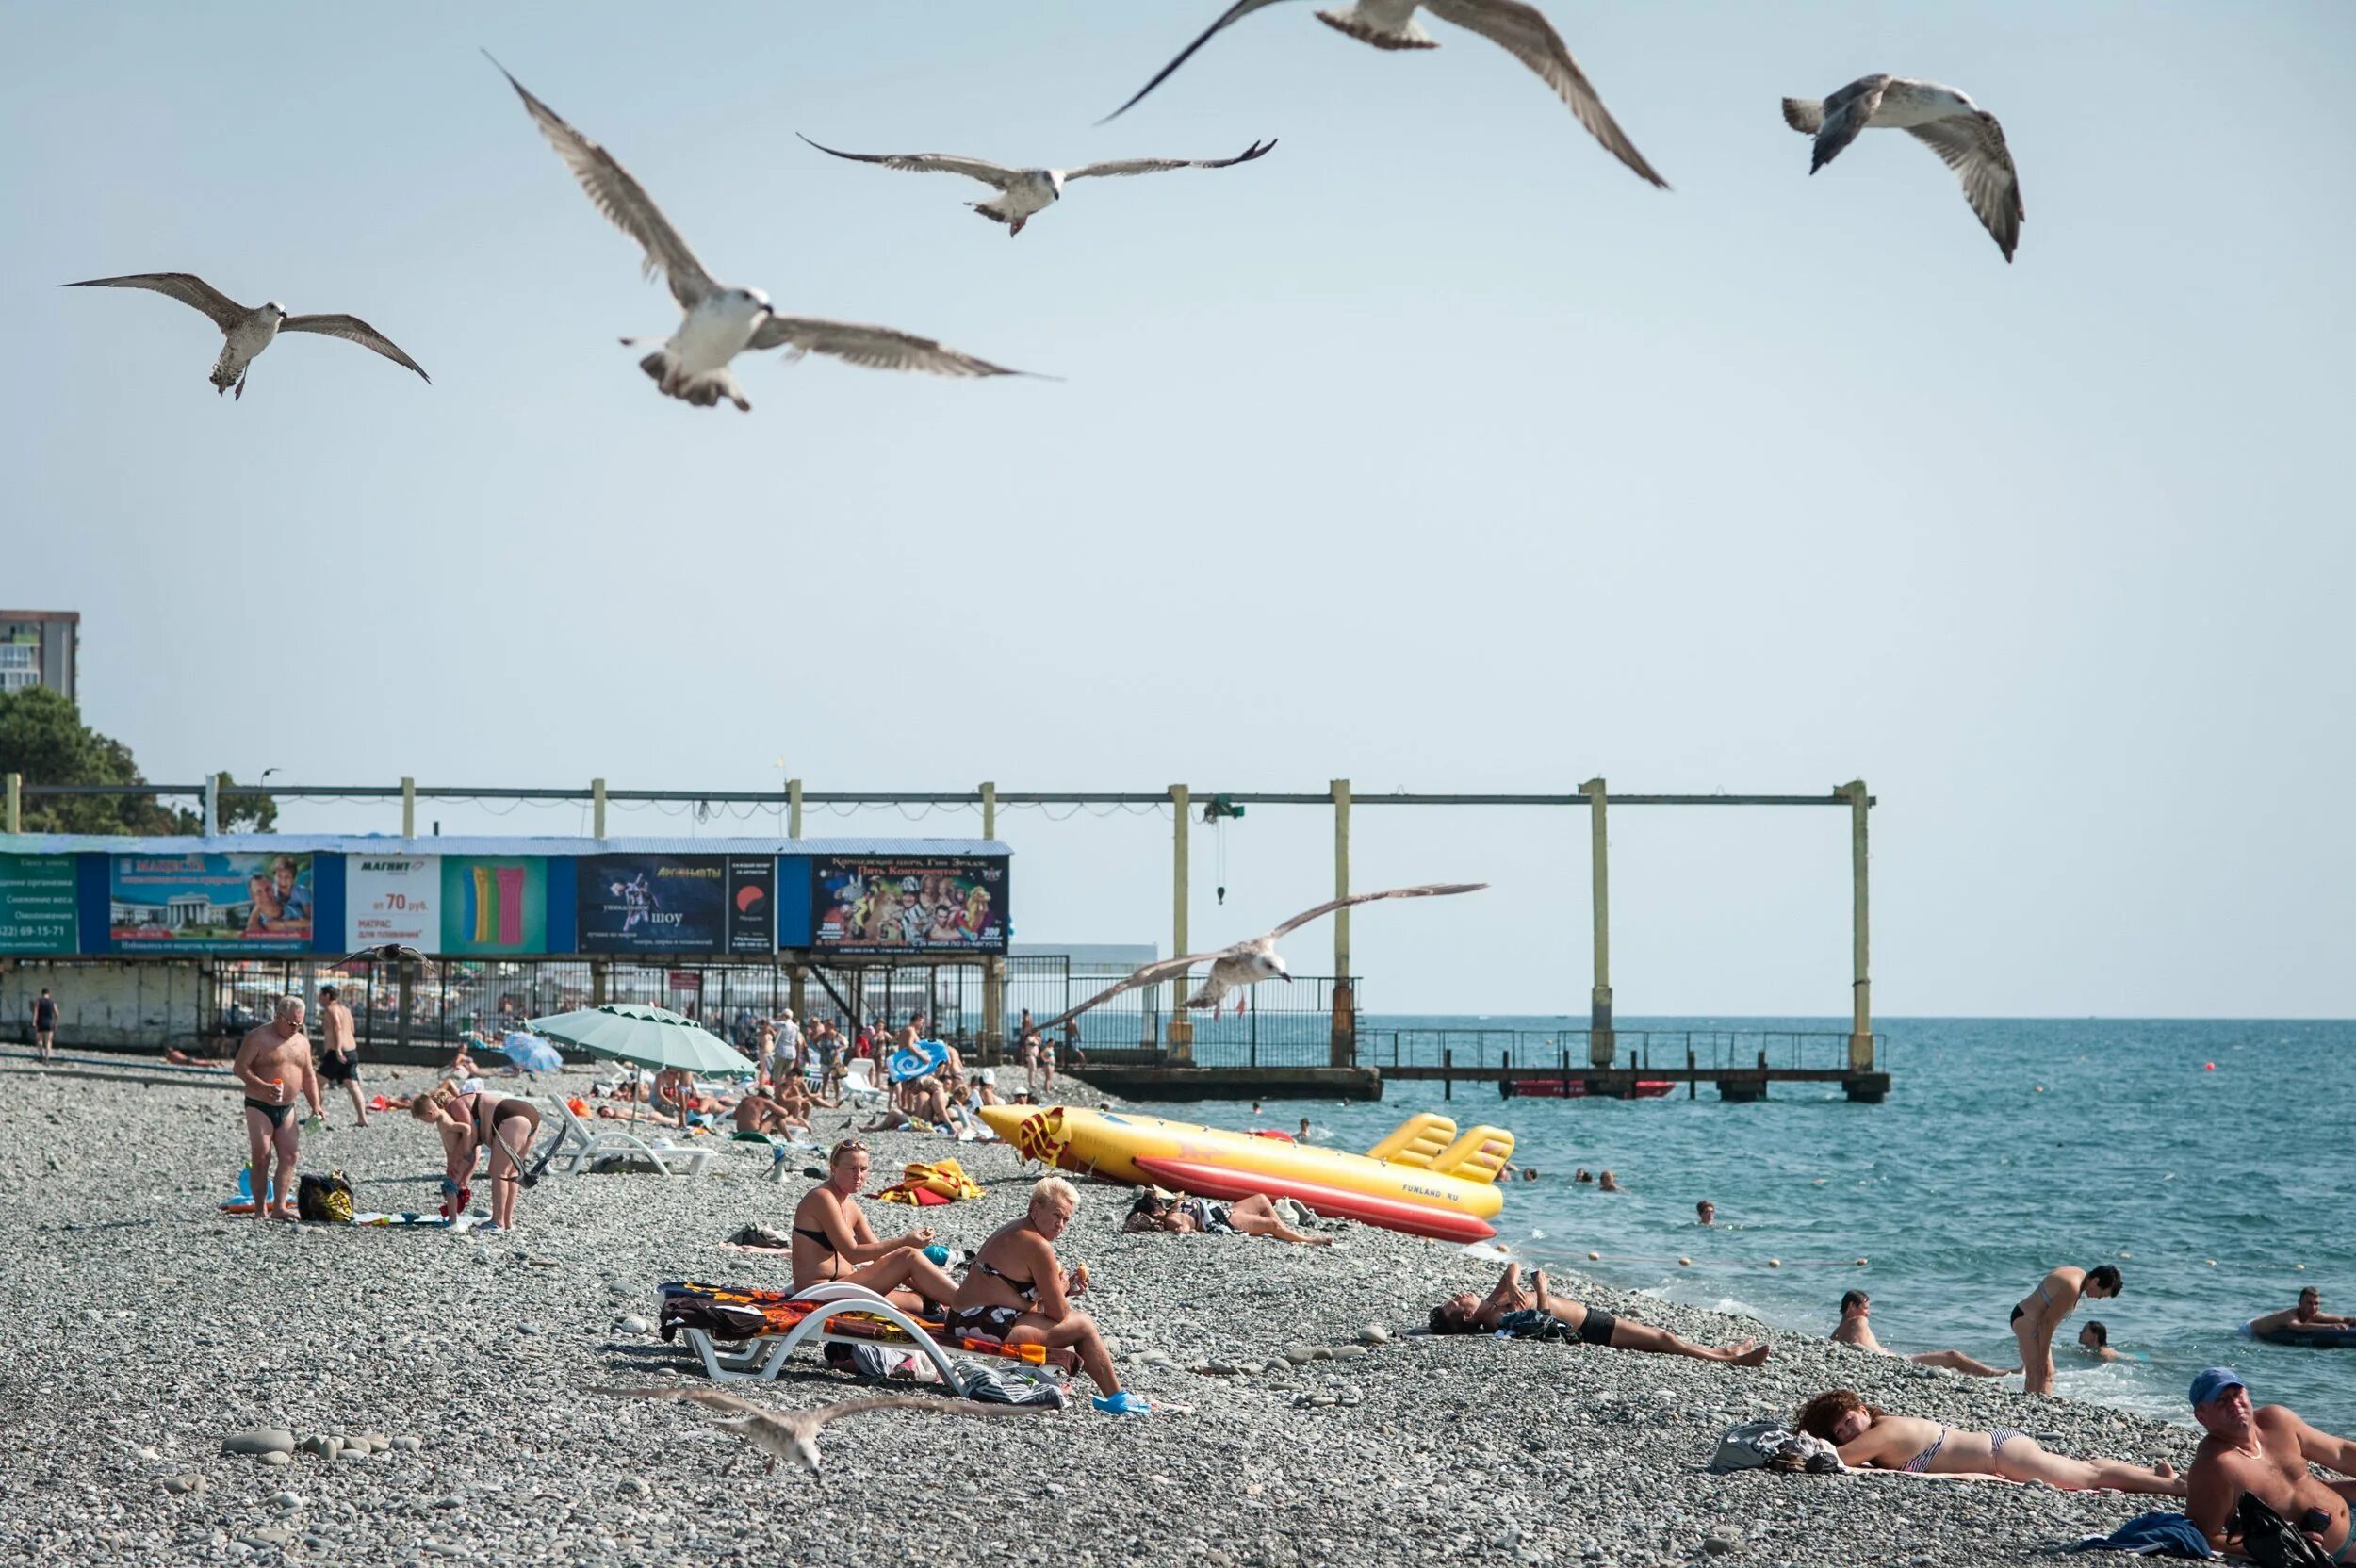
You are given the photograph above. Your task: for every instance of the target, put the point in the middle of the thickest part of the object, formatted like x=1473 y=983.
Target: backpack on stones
x=326 y=1198
x=2271 y=1540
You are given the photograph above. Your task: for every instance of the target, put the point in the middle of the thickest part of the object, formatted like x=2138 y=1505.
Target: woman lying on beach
x=1539 y=1314
x=1017 y=1292
x=2041 y=1311
x=474 y=1119
x=1256 y=1215
x=1871 y=1438
x=832 y=1240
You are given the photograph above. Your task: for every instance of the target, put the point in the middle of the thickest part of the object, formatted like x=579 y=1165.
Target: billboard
x=393 y=898
x=677 y=904
x=909 y=903
x=242 y=900
x=37 y=905
x=492 y=904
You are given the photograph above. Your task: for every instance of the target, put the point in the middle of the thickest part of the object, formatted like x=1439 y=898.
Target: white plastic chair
x=598 y=1142
x=761 y=1360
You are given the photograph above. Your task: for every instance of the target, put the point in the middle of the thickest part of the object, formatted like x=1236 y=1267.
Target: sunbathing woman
x=475 y=1120
x=1538 y=1314
x=1018 y=1293
x=1254 y=1216
x=1873 y=1438
x=832 y=1240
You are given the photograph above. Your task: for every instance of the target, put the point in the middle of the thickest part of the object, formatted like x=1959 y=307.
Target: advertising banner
x=259 y=902
x=752 y=904
x=677 y=904
x=393 y=898
x=37 y=905
x=910 y=902
x=492 y=904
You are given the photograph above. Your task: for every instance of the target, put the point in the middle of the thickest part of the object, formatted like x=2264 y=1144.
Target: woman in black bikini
x=1253 y=1215
x=832 y=1240
x=1018 y=1293
x=479 y=1119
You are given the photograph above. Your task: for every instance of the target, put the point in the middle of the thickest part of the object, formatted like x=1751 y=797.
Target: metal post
x=212 y=804
x=596 y=807
x=1861 y=988
x=793 y=808
x=993 y=968
x=1180 y=1030
x=1601 y=1044
x=1345 y=1046
x=797 y=978
x=408 y=807
x=16 y=801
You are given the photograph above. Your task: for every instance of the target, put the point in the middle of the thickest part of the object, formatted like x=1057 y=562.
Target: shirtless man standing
x=339 y=1050
x=267 y=1057
x=2265 y=1452
x=1852 y=1329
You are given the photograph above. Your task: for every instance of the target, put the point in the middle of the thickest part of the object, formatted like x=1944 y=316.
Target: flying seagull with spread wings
x=1966 y=137
x=1024 y=192
x=246 y=332
x=793 y=1434
x=1522 y=30
x=388 y=952
x=723 y=321
x=1248 y=963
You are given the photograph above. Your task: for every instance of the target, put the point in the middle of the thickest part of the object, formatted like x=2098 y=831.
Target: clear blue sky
x=1434 y=451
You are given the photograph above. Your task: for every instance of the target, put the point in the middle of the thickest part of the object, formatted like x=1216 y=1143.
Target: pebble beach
x=435 y=1385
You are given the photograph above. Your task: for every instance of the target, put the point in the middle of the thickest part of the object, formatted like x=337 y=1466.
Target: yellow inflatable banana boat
x=1424 y=1179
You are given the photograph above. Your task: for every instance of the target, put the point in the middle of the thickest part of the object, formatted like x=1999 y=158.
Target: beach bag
x=996 y=1386
x=2272 y=1541
x=324 y=1199
x=1766 y=1444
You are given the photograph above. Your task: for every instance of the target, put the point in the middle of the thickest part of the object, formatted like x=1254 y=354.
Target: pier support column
x=993 y=968
x=1344 y=1047
x=596 y=807
x=1180 y=1033
x=796 y=978
x=1602 y=1042
x=1861 y=987
x=16 y=803
x=408 y=807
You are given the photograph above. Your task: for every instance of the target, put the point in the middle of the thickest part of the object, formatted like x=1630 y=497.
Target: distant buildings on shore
x=40 y=647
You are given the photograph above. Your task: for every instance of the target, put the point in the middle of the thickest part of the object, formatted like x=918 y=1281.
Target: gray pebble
x=633 y=1486
x=285 y=1499
x=1374 y=1333
x=259 y=1440
x=274 y=1458
x=635 y=1325
x=1301 y=1355
x=180 y=1486
x=407 y=1445
x=1350 y=1353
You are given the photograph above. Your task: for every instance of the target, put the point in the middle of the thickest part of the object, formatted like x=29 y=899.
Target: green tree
x=42 y=737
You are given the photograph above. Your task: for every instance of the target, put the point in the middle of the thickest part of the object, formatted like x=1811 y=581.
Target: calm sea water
x=2007 y=1147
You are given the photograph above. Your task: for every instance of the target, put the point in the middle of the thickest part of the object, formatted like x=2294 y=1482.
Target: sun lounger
x=596 y=1141
x=837 y=1313
x=859 y=1081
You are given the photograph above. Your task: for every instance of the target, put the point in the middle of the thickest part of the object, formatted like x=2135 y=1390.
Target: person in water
x=1870 y=1438
x=1537 y=1313
x=2041 y=1311
x=833 y=1241
x=471 y=1120
x=1251 y=1216
x=2094 y=1341
x=1609 y=1183
x=1854 y=1329
x=1018 y=1293
x=2265 y=1452
x=2308 y=1314
x=1706 y=1212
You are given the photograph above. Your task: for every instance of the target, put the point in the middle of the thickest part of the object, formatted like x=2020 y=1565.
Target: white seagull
x=1024 y=192
x=247 y=333
x=1522 y=30
x=1964 y=135
x=723 y=322
x=793 y=1434
x=1249 y=962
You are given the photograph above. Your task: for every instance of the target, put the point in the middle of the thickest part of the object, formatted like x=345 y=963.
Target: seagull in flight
x=389 y=953
x=1964 y=135
x=247 y=333
x=1520 y=29
x=1249 y=962
x=723 y=321
x=793 y=1434
x=1024 y=192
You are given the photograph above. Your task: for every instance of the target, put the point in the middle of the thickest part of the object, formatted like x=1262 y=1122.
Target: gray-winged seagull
x=1249 y=962
x=723 y=321
x=1964 y=135
x=247 y=333
x=1026 y=193
x=793 y=1434
x=1520 y=29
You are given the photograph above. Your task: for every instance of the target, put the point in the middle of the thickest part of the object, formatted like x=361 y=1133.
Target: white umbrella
x=652 y=1036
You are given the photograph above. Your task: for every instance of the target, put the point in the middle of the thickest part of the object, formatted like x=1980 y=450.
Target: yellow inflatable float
x=1425 y=1179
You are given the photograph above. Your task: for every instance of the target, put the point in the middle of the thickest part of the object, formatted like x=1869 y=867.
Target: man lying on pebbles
x=1535 y=1314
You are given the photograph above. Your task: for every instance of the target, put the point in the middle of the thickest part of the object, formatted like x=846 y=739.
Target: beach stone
x=285 y=1499
x=274 y=1458
x=354 y=1454
x=1350 y=1353
x=1301 y=1355
x=180 y=1486
x=326 y=1447
x=407 y=1445
x=268 y=1536
x=1321 y=1352
x=259 y=1440
x=635 y=1325
x=634 y=1486
x=1719 y=1542
x=1374 y=1333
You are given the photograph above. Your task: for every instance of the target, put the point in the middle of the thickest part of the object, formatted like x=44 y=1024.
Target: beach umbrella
x=650 y=1037
x=530 y=1051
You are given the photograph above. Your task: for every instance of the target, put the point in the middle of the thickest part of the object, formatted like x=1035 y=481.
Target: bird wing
x=712 y=1397
x=1974 y=146
x=1233 y=14
x=1144 y=975
x=1429 y=889
x=929 y=163
x=1843 y=115
x=186 y=288
x=824 y=1413
x=623 y=200
x=388 y=952
x=1525 y=33
x=877 y=348
x=352 y=330
x=1121 y=167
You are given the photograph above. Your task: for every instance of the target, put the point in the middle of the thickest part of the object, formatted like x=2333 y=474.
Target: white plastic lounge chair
x=761 y=1360
x=597 y=1141
x=859 y=1081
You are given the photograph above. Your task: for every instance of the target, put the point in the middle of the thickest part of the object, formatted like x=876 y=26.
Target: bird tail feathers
x=1406 y=36
x=1803 y=115
x=701 y=391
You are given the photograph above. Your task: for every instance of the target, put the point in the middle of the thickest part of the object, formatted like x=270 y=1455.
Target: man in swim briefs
x=339 y=1050
x=2308 y=1314
x=2265 y=1452
x=269 y=1059
x=1854 y=1329
x=1538 y=1314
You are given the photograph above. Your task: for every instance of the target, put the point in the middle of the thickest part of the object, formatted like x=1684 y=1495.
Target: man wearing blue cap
x=2265 y=1452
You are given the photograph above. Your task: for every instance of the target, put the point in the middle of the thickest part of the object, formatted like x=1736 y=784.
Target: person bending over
x=2041 y=1311
x=1253 y=1215
x=1854 y=1329
x=1018 y=1293
x=832 y=1240
x=1539 y=1314
x=2265 y=1452
x=1871 y=1438
x=471 y=1120
x=2308 y=1314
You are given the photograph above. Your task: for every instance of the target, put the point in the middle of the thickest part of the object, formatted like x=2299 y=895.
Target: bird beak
x=1288 y=979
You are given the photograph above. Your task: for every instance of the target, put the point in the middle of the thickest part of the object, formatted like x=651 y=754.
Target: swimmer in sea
x=1609 y=1183
x=2308 y=1314
x=2041 y=1311
x=1704 y=1213
x=2094 y=1341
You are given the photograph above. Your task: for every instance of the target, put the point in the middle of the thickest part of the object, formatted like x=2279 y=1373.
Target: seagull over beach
x=1520 y=29
x=247 y=333
x=1964 y=135
x=1026 y=193
x=1248 y=963
x=389 y=953
x=793 y=1434
x=723 y=321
